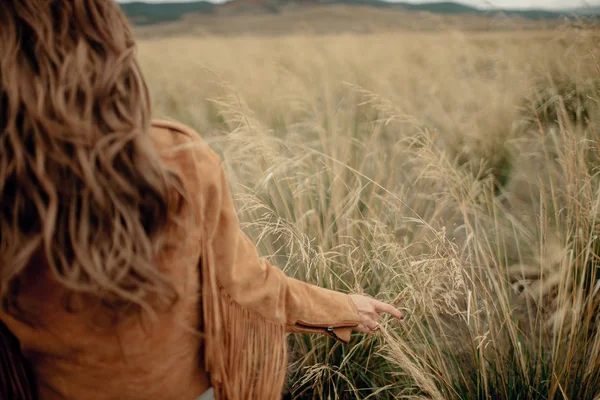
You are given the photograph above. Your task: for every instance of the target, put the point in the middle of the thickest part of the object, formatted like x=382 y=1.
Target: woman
x=123 y=272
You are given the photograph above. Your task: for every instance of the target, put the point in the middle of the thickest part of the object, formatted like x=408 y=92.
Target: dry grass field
x=452 y=174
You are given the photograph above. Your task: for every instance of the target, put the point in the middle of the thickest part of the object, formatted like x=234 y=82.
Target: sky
x=522 y=4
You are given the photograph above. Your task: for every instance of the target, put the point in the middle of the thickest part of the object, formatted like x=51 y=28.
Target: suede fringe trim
x=16 y=379
x=245 y=354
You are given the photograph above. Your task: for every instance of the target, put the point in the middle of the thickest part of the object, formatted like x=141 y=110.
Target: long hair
x=80 y=185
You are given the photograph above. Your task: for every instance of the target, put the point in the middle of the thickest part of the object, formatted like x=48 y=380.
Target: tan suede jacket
x=242 y=305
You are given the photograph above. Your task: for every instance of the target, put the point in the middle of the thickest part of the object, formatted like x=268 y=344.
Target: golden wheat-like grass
x=454 y=175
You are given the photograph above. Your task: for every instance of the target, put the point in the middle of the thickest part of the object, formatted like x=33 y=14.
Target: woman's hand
x=369 y=309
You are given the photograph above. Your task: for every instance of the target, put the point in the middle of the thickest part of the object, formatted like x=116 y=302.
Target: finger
x=393 y=311
x=374 y=326
x=362 y=328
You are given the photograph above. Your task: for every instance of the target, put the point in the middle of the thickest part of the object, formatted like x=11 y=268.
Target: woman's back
x=135 y=357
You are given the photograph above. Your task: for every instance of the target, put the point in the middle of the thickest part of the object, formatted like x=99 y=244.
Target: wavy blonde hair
x=81 y=188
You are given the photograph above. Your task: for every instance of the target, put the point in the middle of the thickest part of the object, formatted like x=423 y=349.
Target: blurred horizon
x=483 y=4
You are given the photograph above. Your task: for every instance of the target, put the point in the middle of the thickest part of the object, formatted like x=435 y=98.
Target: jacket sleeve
x=250 y=280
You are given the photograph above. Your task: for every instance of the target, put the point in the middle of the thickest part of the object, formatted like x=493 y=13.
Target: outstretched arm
x=249 y=280
x=255 y=284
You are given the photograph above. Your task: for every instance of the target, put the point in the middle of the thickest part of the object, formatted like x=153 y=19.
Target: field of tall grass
x=454 y=175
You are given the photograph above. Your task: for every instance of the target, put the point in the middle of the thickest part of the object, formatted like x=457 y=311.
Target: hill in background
x=141 y=13
x=152 y=13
